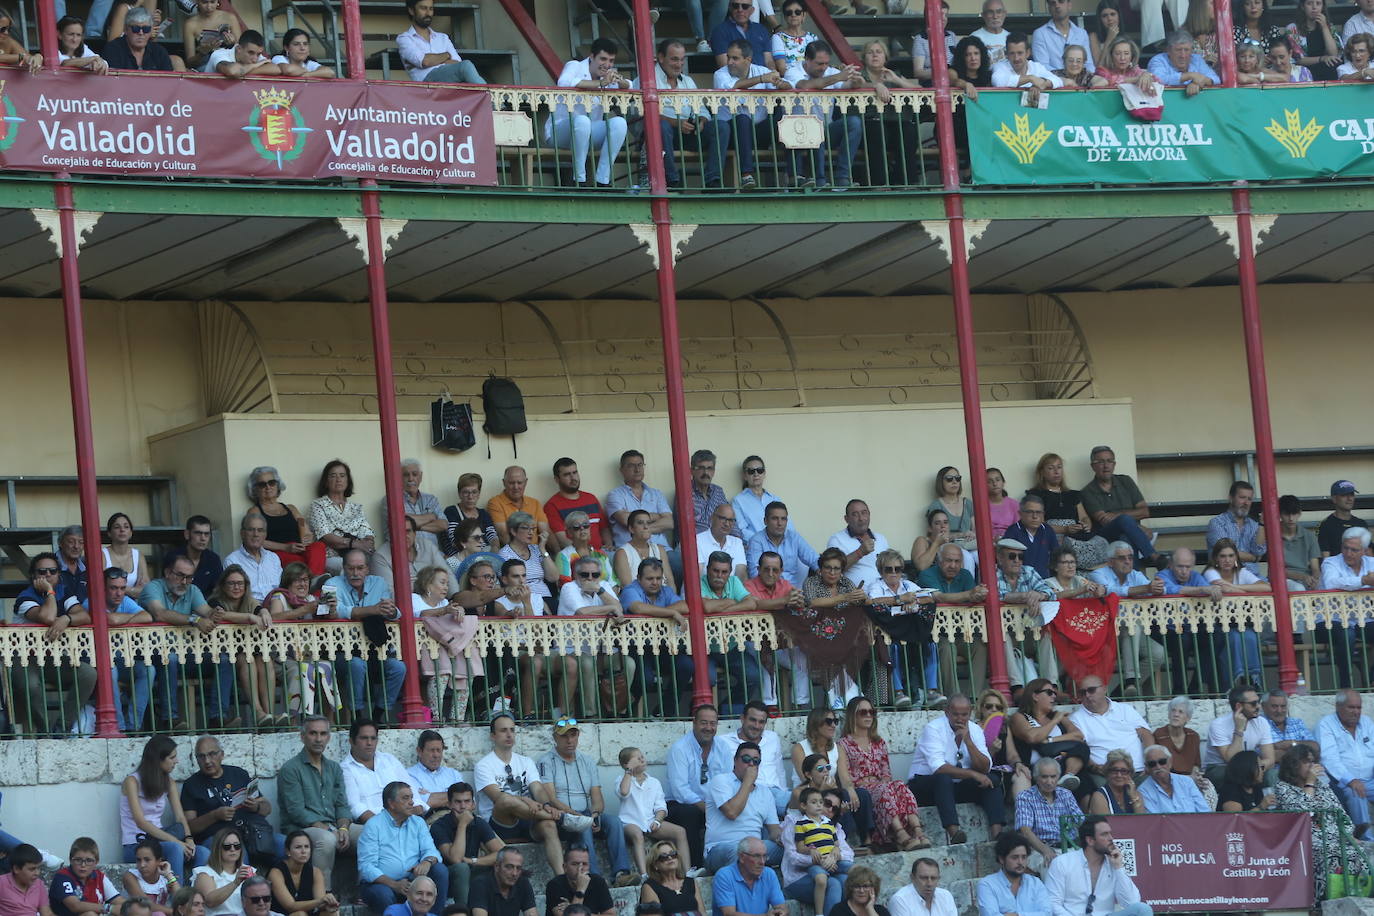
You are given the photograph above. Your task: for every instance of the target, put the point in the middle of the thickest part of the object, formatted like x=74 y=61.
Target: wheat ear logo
x=1293 y=135
x=1022 y=141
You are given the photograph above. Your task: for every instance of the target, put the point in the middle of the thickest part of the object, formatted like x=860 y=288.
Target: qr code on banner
x=1127 y=848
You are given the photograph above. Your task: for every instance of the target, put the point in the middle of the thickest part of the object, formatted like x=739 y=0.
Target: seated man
x=1017 y=69
x=722 y=593
x=570 y=498
x=1010 y=889
x=993 y=34
x=589 y=594
x=634 y=494
x=507 y=892
x=1030 y=529
x=743 y=123
x=648 y=595
x=260 y=565
x=367 y=772
x=138 y=675
x=799 y=559
x=420 y=507
x=207 y=799
x=1017 y=583
x=572 y=778
x=740 y=23
x=1049 y=41
x=860 y=543
x=738 y=808
x=744 y=887
x=466 y=842
x=772 y=774
x=1040 y=809
x=692 y=760
x=1114 y=503
x=512 y=501
x=430 y=776
x=135 y=50
x=951 y=764
x=717 y=537
x=578 y=885
x=678 y=122
x=394 y=849
x=244 y=59
x=356 y=596
x=1136 y=649
x=1107 y=725
x=844 y=130
x=953 y=584
x=429 y=55
x=1186 y=647
x=1166 y=793
x=1095 y=875
x=1346 y=737
x=1237 y=525
x=173 y=600
x=706 y=495
x=421 y=898
x=1178 y=66
x=1286 y=731
x=209 y=566
x=46 y=602
x=772 y=592
x=1243 y=730
x=1334 y=526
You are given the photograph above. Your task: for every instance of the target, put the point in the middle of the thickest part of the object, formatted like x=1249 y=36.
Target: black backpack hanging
x=450 y=425
x=503 y=409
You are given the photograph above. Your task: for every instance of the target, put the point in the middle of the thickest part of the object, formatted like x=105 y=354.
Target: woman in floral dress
x=895 y=822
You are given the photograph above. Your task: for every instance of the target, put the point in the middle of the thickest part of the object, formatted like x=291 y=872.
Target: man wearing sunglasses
x=738 y=808
x=1018 y=583
x=588 y=594
x=135 y=50
x=256 y=894
x=1165 y=795
x=740 y=23
x=1107 y=725
x=46 y=602
x=576 y=787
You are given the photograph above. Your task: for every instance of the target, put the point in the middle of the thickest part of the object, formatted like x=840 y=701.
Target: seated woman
x=1075 y=73
x=816 y=855
x=905 y=613
x=1314 y=44
x=471 y=542
x=220 y=880
x=1249 y=65
x=1201 y=23
x=1064 y=510
x=860 y=895
x=1252 y=21
x=971 y=70
x=925 y=550
x=895 y=821
x=1119 y=795
x=72 y=51
x=1304 y=786
x=1243 y=787
x=297 y=885
x=288 y=534
x=639 y=548
x=336 y=520
x=310 y=687
x=206 y=31
x=1003 y=510
x=1281 y=62
x=949 y=496
x=452 y=629
x=822 y=727
x=666 y=887
x=11 y=51
x=819 y=773
x=1106 y=29
x=467 y=509
x=990 y=712
x=1226 y=571
x=257 y=675
x=578 y=526
x=145 y=795
x=1039 y=728
x=1185 y=747
x=123 y=554
x=295 y=59
x=1065 y=579
x=892 y=143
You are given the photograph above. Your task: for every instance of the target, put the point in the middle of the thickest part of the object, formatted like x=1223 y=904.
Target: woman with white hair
x=1185 y=747
x=288 y=533
x=527 y=546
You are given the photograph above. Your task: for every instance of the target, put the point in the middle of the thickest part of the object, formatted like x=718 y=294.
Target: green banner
x=1302 y=131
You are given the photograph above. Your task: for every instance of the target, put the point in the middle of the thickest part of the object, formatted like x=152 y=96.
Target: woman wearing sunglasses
x=949 y=497
x=667 y=884
x=822 y=738
x=895 y=822
x=819 y=773
x=1040 y=729
x=220 y=881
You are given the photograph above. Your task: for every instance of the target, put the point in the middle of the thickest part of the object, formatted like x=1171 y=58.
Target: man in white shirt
x=586 y=126
x=1093 y=879
x=718 y=537
x=1016 y=69
x=589 y=594
x=429 y=56
x=861 y=544
x=753 y=726
x=260 y=565
x=245 y=58
x=1050 y=40
x=1347 y=741
x=923 y=896
x=430 y=776
x=677 y=120
x=1107 y=725
x=951 y=765
x=366 y=772
x=1363 y=21
x=743 y=122
x=843 y=130
x=514 y=800
x=1242 y=730
x=992 y=35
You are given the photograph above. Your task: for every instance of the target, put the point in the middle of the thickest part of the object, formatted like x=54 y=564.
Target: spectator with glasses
x=1107 y=725
x=575 y=788
x=895 y=822
x=753 y=500
x=578 y=530
x=692 y=760
x=1163 y=792
x=47 y=602
x=739 y=808
x=589 y=594
x=1119 y=795
x=821 y=740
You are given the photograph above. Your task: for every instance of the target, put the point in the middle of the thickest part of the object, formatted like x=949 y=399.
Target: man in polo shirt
x=209 y=566
x=649 y=596
x=722 y=592
x=135 y=50
x=679 y=124
x=357 y=596
x=138 y=674
x=571 y=498
x=692 y=760
x=861 y=544
x=422 y=508
x=512 y=499
x=576 y=788
x=718 y=537
x=799 y=559
x=923 y=896
x=71 y=554
x=737 y=807
x=951 y=764
x=310 y=790
x=843 y=129
x=46 y=601
x=260 y=565
x=772 y=592
x=1115 y=505
x=745 y=887
x=466 y=842
x=508 y=892
x=953 y=584
x=394 y=848
x=739 y=24
x=1107 y=725
x=1334 y=526
x=1242 y=730
x=173 y=600
x=22 y=890
x=1188 y=649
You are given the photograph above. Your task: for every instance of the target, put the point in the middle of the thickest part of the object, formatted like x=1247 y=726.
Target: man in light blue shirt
x=737 y=808
x=692 y=761
x=1347 y=741
x=1010 y=889
x=1049 y=41
x=746 y=886
x=1166 y=793
x=799 y=559
x=394 y=847
x=1180 y=66
x=1136 y=650
x=357 y=596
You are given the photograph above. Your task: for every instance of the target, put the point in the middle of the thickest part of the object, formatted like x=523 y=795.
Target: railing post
x=672 y=357
x=106 y=724
x=968 y=357
x=47 y=34
x=1264 y=435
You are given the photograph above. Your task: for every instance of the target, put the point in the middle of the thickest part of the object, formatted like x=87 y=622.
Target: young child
x=817 y=853
x=151 y=877
x=82 y=881
x=643 y=810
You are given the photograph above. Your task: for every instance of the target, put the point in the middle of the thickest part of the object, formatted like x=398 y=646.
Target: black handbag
x=450 y=425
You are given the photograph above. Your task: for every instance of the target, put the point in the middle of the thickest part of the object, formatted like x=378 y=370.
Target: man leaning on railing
x=46 y=602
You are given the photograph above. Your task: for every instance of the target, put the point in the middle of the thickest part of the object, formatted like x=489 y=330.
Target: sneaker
x=575 y=823
x=841 y=184
x=806 y=181
x=698 y=872
x=747 y=182
x=50 y=860
x=626 y=878
x=703 y=47
x=902 y=701
x=936 y=700
x=1068 y=781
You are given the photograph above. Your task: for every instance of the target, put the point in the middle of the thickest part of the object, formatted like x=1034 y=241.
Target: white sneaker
x=1069 y=781
x=703 y=47
x=50 y=860
x=698 y=872
x=575 y=823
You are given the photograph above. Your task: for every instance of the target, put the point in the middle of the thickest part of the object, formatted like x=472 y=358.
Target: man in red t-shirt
x=570 y=498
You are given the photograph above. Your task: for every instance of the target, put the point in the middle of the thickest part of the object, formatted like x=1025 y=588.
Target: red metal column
x=968 y=358
x=47 y=33
x=524 y=23
x=353 y=40
x=1226 y=43
x=672 y=357
x=1264 y=436
x=106 y=725
x=830 y=31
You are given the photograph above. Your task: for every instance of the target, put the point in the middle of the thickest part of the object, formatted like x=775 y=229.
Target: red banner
x=206 y=126
x=1084 y=635
x=1197 y=862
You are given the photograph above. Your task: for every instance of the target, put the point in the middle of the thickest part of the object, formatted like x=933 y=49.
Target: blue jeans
x=614 y=832
x=844 y=134
x=1125 y=528
x=803 y=890
x=140 y=677
x=393 y=672
x=716 y=141
x=1242 y=656
x=462 y=72
x=723 y=854
x=377 y=897
x=743 y=675
x=175 y=854
x=670 y=134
